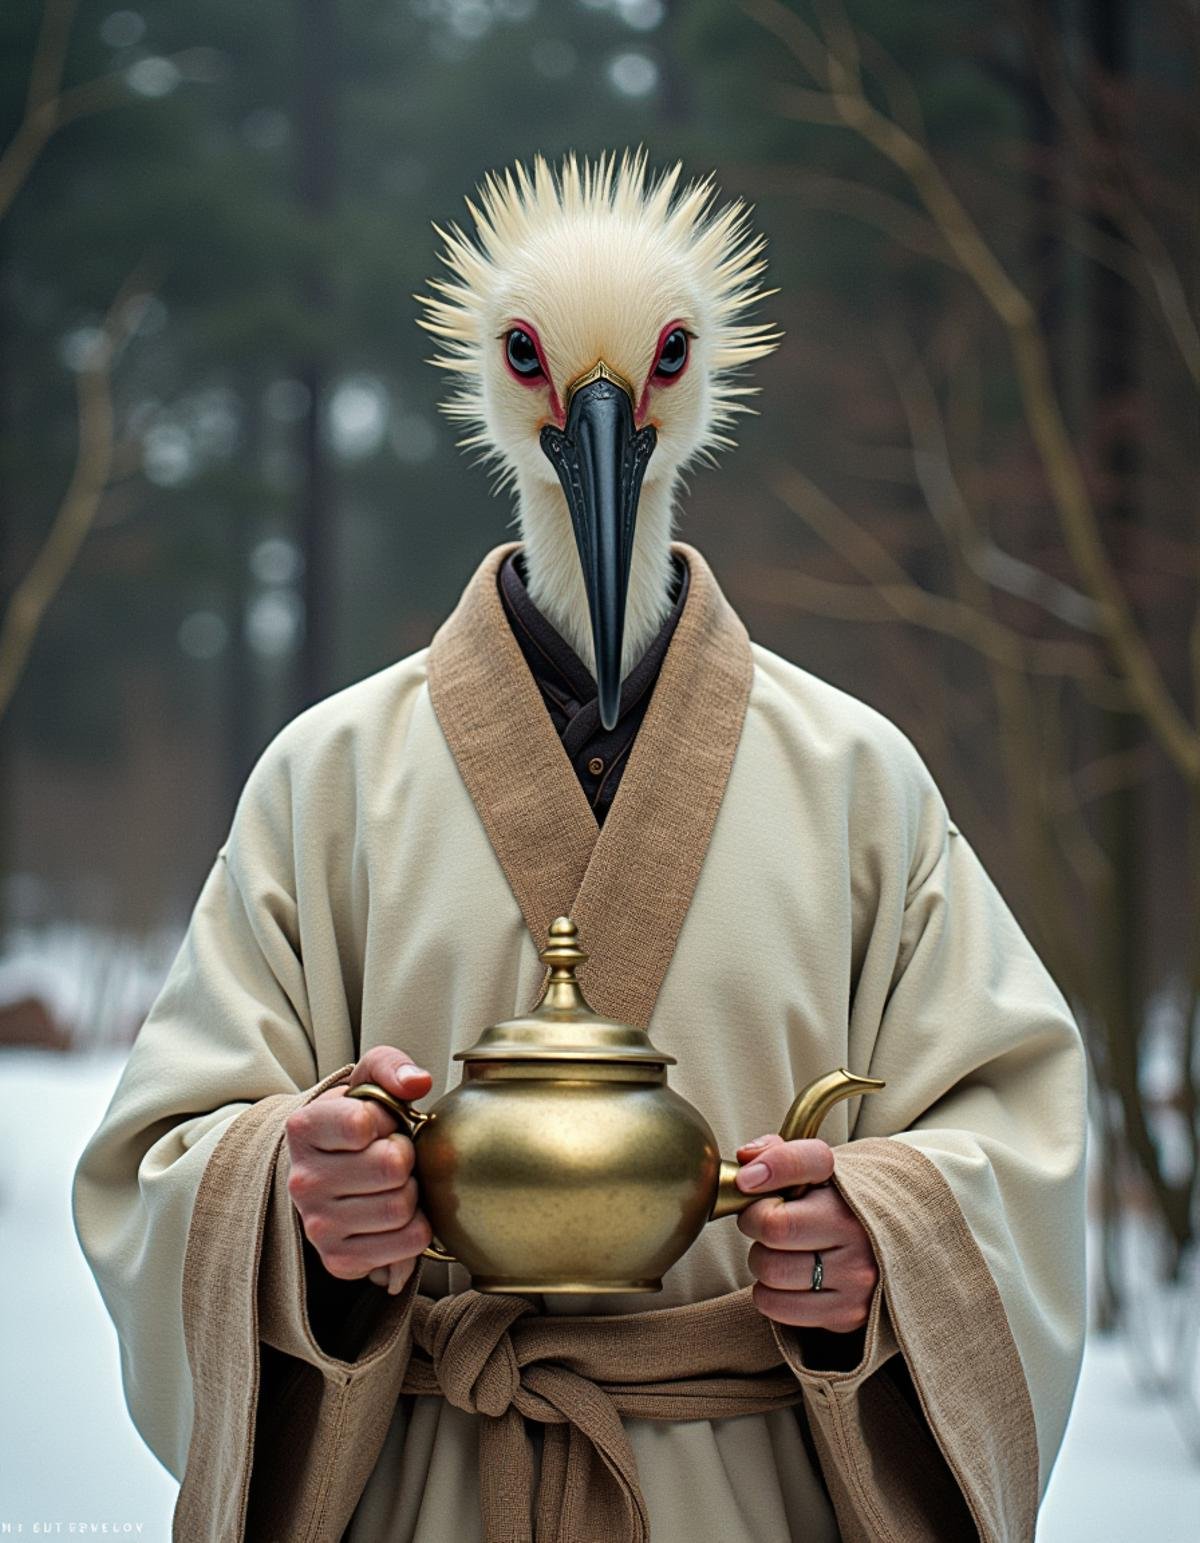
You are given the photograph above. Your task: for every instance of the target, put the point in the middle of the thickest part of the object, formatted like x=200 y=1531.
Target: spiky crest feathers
x=529 y=223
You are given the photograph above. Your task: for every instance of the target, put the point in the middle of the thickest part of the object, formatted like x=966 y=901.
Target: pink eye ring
x=522 y=355
x=525 y=361
x=672 y=355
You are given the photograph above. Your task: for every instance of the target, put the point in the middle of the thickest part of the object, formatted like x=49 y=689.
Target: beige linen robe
x=777 y=890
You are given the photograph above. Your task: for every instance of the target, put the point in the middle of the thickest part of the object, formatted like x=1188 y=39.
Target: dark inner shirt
x=599 y=755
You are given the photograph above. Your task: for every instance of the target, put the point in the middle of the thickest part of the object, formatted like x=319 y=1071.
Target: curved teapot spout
x=802 y=1121
x=813 y=1103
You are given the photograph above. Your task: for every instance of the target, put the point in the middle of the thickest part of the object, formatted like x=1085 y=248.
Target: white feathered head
x=597 y=326
x=600 y=261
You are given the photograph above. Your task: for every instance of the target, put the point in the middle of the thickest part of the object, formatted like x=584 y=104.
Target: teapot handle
x=412 y=1122
x=801 y=1123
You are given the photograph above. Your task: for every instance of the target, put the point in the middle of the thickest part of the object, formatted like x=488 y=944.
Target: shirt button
x=595 y=766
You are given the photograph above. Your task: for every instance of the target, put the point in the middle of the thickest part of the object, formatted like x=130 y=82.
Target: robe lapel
x=628 y=884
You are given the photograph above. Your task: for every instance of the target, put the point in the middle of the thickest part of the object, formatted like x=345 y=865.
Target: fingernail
x=413 y=1071
x=753 y=1176
x=753 y=1146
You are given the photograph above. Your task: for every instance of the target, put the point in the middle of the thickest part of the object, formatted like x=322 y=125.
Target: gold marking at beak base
x=599 y=371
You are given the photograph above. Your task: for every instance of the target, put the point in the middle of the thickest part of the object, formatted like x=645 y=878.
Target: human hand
x=352 y=1179
x=787 y=1232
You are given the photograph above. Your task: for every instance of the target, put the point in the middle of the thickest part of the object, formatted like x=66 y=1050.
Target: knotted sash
x=495 y=1357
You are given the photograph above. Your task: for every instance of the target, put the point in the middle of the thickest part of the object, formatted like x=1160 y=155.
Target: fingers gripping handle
x=412 y=1122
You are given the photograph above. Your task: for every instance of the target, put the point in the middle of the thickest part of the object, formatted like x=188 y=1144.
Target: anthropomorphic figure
x=763 y=874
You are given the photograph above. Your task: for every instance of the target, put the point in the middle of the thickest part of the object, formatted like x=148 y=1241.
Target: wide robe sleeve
x=968 y=1175
x=182 y=1210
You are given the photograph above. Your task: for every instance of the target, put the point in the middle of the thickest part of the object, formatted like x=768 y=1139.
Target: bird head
x=595 y=321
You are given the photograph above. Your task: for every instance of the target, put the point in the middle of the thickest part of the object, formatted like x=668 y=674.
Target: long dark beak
x=600 y=459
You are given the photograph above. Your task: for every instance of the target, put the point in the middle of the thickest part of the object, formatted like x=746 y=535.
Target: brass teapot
x=563 y=1162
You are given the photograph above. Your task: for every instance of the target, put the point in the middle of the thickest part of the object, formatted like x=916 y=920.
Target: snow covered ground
x=68 y=1451
x=70 y=1461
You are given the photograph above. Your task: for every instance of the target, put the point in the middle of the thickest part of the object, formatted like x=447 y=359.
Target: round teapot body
x=552 y=1177
x=563 y=1161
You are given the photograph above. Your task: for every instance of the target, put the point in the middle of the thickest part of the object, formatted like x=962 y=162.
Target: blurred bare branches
x=834 y=60
x=48 y=107
x=95 y=456
x=1059 y=633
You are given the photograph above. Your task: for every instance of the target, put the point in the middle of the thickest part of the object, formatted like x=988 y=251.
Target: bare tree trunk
x=316 y=172
x=6 y=777
x=1045 y=248
x=675 y=93
x=1113 y=327
x=241 y=728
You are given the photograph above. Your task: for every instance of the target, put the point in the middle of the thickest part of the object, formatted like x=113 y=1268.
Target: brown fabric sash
x=493 y=1356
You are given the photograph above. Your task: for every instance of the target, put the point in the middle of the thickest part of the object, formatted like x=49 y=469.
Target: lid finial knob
x=562 y=955
x=563 y=1027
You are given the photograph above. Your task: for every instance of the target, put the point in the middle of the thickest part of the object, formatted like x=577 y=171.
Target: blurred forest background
x=970 y=498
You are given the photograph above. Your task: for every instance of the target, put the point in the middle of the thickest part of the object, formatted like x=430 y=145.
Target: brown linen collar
x=628 y=884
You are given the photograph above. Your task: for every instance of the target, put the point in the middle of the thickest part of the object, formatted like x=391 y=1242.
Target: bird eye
x=522 y=354
x=672 y=356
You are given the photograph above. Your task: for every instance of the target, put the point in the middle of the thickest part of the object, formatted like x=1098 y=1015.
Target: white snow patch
x=71 y=1453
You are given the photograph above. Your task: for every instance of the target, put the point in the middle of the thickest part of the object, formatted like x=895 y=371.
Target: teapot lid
x=562 y=1027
